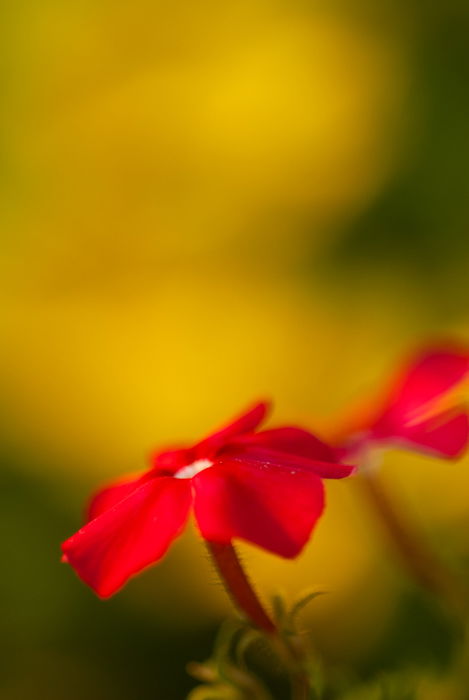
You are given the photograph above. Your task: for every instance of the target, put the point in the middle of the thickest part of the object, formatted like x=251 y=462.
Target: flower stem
x=240 y=590
x=419 y=560
x=239 y=587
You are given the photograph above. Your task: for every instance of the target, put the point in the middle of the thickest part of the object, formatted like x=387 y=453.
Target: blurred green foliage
x=418 y=224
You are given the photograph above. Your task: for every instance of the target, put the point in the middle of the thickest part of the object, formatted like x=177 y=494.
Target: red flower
x=416 y=412
x=262 y=487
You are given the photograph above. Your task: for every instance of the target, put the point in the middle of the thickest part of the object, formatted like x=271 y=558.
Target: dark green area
x=58 y=640
x=418 y=226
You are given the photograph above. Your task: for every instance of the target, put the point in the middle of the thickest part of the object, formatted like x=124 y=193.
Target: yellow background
x=181 y=188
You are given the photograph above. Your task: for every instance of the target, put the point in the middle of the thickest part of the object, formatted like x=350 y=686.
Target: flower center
x=191 y=470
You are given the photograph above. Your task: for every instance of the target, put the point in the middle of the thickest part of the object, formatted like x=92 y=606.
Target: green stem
x=300 y=687
x=419 y=560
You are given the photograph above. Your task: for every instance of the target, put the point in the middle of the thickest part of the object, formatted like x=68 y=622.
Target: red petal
x=289 y=447
x=427 y=378
x=444 y=435
x=261 y=455
x=423 y=381
x=111 y=495
x=128 y=537
x=292 y=441
x=169 y=461
x=245 y=423
x=272 y=507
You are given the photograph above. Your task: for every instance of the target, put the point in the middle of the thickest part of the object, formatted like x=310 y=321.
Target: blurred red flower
x=262 y=487
x=418 y=412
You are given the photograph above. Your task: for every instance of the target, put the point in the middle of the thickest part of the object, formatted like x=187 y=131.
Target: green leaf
x=279 y=609
x=303 y=602
x=246 y=640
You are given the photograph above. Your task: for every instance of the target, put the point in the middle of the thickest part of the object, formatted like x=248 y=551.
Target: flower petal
x=444 y=435
x=262 y=455
x=273 y=507
x=430 y=375
x=129 y=536
x=245 y=423
x=110 y=495
x=293 y=448
x=292 y=441
x=414 y=393
x=169 y=461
